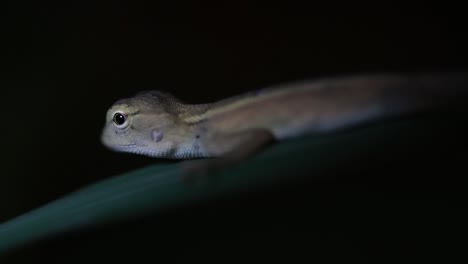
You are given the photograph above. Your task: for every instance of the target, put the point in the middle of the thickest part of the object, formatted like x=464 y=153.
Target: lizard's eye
x=120 y=120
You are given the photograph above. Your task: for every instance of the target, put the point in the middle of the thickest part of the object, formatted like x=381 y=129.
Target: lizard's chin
x=131 y=148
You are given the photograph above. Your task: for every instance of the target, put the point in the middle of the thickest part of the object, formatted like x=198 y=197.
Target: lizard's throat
x=163 y=149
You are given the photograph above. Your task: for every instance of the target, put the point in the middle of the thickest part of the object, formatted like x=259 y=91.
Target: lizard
x=218 y=134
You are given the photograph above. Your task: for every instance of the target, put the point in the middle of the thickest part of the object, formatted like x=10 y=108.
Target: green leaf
x=156 y=188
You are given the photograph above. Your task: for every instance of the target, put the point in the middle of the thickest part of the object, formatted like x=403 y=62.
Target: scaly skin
x=156 y=124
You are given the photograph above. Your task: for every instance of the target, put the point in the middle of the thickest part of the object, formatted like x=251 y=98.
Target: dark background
x=64 y=63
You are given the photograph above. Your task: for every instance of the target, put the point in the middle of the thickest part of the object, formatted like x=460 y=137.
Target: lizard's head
x=140 y=124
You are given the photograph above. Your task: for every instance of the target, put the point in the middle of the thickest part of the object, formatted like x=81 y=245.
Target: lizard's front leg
x=228 y=150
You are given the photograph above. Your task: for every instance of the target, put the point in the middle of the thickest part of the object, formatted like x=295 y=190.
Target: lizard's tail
x=423 y=91
x=374 y=97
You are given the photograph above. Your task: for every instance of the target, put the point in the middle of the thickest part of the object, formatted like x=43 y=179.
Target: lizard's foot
x=246 y=144
x=193 y=171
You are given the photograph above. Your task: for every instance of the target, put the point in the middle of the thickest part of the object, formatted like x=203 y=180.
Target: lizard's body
x=159 y=125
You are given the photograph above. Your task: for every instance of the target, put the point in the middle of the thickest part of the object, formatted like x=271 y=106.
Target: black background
x=64 y=63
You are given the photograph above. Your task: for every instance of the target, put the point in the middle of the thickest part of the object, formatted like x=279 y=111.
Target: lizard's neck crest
x=193 y=114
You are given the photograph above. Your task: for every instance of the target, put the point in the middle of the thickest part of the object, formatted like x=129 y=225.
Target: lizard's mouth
x=112 y=144
x=130 y=145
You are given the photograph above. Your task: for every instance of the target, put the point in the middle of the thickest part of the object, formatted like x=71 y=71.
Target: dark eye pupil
x=119 y=119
